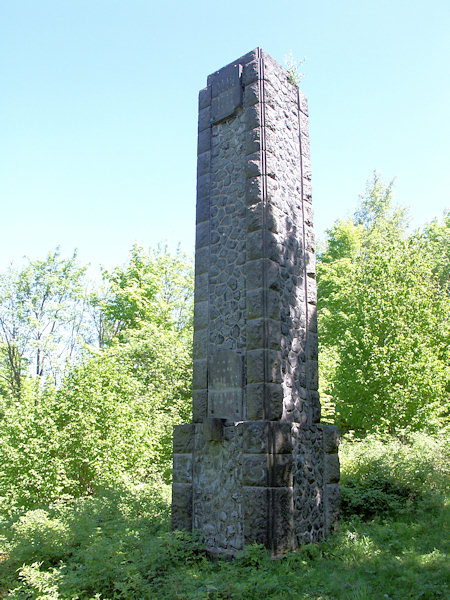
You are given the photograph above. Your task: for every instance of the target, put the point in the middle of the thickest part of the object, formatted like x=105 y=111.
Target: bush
x=109 y=422
x=385 y=476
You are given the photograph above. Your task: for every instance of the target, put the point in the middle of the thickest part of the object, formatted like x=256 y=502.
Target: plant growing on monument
x=293 y=67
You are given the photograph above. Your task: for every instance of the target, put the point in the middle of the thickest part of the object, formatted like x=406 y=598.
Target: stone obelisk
x=255 y=464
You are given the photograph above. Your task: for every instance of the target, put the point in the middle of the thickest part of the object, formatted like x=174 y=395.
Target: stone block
x=309 y=238
x=255 y=401
x=200 y=380
x=225 y=104
x=204 y=141
x=255 y=303
x=310 y=263
x=256 y=334
x=303 y=103
x=201 y=288
x=253 y=167
x=201 y=315
x=202 y=261
x=255 y=366
x=182 y=438
x=253 y=116
x=262 y=273
x=251 y=94
x=182 y=468
x=274 y=408
x=203 y=186
x=304 y=126
x=254 y=274
x=332 y=468
x=213 y=430
x=267 y=470
x=254 y=245
x=311 y=289
x=311 y=322
x=254 y=217
x=253 y=191
x=308 y=214
x=282 y=505
x=224 y=79
x=315 y=406
x=330 y=438
x=264 y=365
x=255 y=470
x=203 y=163
x=312 y=374
x=182 y=506
x=202 y=213
x=281 y=475
x=253 y=141
x=312 y=346
x=332 y=504
x=274 y=366
x=266 y=437
x=273 y=304
x=204 y=118
x=273 y=333
x=255 y=504
x=199 y=405
x=200 y=343
x=204 y=98
x=316 y=413
x=250 y=72
x=202 y=235
x=305 y=146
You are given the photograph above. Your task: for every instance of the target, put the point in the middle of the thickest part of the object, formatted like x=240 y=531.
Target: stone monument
x=255 y=465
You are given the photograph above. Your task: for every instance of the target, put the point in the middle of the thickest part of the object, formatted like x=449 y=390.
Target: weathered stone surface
x=332 y=504
x=332 y=470
x=213 y=429
x=182 y=506
x=262 y=466
x=182 y=438
x=330 y=438
x=182 y=468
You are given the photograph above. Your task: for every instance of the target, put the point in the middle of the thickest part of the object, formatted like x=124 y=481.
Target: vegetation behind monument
x=85 y=447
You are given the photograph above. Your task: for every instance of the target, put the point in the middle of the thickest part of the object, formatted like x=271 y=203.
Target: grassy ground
x=392 y=542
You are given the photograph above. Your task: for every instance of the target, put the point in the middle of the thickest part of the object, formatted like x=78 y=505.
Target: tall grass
x=392 y=543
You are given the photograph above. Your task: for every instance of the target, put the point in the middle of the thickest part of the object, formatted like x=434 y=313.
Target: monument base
x=270 y=482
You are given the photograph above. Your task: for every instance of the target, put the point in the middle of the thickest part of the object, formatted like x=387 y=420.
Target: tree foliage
x=155 y=287
x=382 y=315
x=42 y=318
x=110 y=419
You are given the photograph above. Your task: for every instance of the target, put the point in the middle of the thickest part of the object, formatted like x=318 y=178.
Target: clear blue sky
x=98 y=111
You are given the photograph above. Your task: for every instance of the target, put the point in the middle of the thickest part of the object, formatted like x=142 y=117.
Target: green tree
x=42 y=318
x=110 y=419
x=153 y=287
x=382 y=325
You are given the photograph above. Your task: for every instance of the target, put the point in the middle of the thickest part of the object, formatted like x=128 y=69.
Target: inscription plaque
x=225 y=383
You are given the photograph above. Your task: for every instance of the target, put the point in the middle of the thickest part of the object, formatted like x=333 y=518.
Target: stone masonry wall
x=256 y=464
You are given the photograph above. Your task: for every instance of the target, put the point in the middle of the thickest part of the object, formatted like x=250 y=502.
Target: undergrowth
x=391 y=544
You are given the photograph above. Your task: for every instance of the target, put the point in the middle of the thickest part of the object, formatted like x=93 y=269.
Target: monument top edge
x=245 y=59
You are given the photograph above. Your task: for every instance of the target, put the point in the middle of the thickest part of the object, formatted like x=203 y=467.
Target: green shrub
x=385 y=476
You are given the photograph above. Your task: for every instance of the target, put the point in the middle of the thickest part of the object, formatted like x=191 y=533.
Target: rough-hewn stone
x=256 y=464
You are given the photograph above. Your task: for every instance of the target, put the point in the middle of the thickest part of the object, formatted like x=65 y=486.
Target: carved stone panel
x=225 y=385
